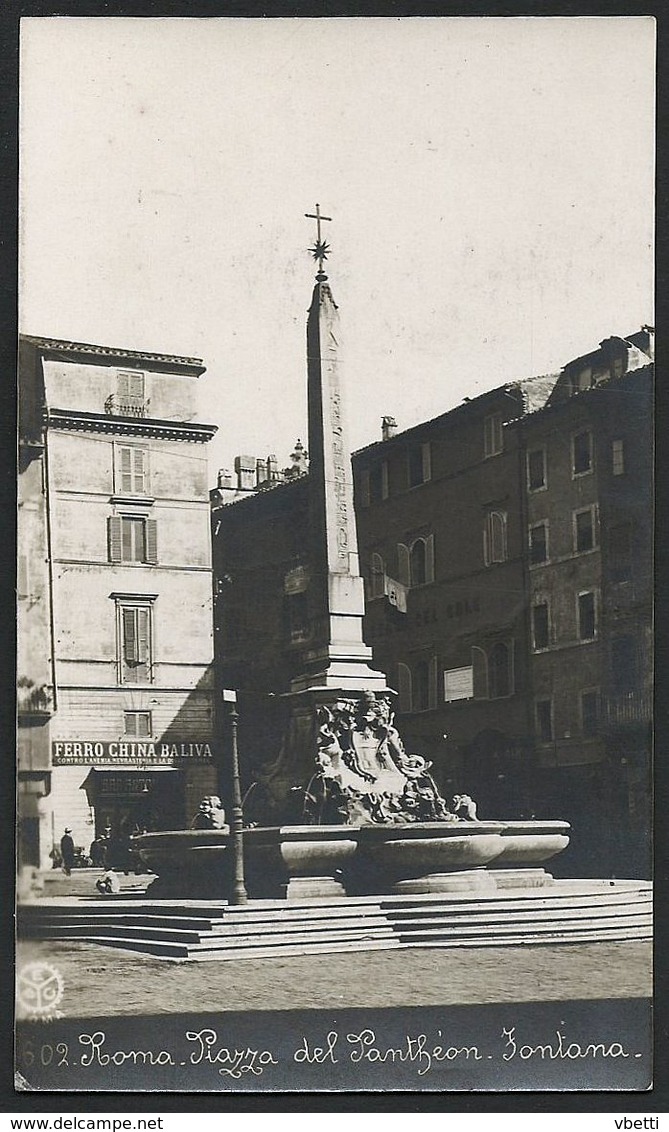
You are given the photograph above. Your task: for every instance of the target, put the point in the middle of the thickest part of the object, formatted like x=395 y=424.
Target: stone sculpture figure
x=363 y=773
x=210 y=815
x=464 y=807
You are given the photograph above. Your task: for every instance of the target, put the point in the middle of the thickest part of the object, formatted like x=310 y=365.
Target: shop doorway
x=129 y=802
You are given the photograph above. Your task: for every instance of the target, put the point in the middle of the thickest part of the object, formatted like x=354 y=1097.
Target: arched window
x=377 y=572
x=417 y=563
x=499 y=671
x=404 y=686
x=421 y=686
x=479 y=673
x=403 y=564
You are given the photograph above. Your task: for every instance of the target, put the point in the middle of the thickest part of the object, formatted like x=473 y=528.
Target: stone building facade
x=442 y=543
x=588 y=496
x=115 y=594
x=506 y=549
x=261 y=573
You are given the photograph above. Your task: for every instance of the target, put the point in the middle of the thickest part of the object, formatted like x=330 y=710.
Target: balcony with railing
x=116 y=406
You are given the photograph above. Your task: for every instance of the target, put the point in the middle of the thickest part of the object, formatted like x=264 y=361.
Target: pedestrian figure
x=108 y=884
x=67 y=851
x=99 y=853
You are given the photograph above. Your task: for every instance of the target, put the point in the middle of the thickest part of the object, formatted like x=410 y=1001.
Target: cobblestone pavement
x=107 y=982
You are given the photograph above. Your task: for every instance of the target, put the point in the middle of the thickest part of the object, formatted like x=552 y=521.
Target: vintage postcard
x=335 y=645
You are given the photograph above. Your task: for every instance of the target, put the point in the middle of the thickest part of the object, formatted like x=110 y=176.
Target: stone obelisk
x=335 y=661
x=337 y=657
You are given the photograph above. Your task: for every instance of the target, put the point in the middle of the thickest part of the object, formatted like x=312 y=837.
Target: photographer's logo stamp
x=39 y=990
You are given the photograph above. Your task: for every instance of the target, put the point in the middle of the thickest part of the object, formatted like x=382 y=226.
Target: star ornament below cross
x=320 y=251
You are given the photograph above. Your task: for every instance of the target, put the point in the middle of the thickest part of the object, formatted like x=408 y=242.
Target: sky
x=490 y=183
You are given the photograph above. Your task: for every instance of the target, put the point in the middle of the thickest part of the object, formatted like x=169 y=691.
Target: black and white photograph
x=335 y=554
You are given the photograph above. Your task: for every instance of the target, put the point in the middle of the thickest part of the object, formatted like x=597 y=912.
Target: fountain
x=372 y=819
x=373 y=822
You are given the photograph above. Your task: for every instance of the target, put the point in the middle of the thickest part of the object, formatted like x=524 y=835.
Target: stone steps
x=234 y=936
x=564 y=912
x=238 y=922
x=203 y=951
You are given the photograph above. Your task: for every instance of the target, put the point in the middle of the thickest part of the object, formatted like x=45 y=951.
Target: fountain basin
x=188 y=862
x=532 y=842
x=417 y=857
x=314 y=861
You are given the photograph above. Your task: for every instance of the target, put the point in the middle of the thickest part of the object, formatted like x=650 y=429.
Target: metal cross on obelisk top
x=321 y=248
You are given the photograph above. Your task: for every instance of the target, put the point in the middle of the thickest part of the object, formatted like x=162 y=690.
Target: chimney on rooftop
x=649 y=349
x=388 y=427
x=245 y=468
x=224 y=479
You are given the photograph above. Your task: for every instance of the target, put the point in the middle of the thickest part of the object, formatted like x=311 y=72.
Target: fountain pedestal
x=297 y=862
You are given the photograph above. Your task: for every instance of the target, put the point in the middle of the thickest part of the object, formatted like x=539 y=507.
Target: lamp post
x=239 y=894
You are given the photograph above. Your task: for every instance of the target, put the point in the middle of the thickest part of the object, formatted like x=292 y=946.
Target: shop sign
x=134 y=752
x=132 y=783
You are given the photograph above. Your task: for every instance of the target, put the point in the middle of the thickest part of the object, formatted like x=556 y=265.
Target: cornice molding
x=129 y=426
x=62 y=348
x=119 y=596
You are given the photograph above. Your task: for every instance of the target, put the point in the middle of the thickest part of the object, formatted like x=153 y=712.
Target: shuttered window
x=135 y=625
x=130 y=386
x=492 y=435
x=151 y=541
x=133 y=539
x=419 y=464
x=114 y=538
x=403 y=564
x=377 y=577
x=494 y=538
x=132 y=467
x=137 y=724
x=417 y=563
